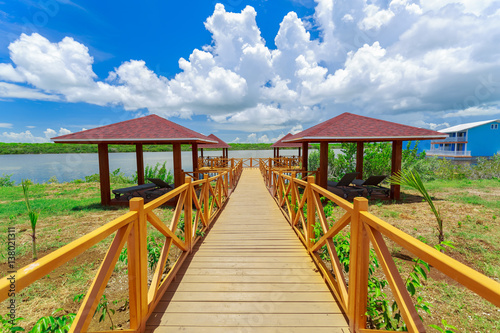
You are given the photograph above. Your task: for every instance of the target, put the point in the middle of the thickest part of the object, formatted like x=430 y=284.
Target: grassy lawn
x=67 y=211
x=470 y=209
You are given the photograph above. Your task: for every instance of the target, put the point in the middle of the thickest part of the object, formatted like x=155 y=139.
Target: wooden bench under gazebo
x=349 y=127
x=150 y=129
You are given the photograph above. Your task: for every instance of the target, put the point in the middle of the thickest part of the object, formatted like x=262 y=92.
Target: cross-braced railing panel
x=197 y=203
x=302 y=203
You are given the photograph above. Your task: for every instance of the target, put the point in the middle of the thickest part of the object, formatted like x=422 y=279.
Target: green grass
x=56 y=200
x=438 y=185
x=475 y=200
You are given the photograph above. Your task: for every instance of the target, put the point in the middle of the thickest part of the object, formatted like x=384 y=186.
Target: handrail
x=248 y=162
x=304 y=210
x=131 y=228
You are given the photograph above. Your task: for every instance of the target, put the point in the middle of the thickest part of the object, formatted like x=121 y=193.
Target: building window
x=494 y=126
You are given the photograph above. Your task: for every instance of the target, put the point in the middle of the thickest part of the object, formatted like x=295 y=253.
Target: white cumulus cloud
x=411 y=59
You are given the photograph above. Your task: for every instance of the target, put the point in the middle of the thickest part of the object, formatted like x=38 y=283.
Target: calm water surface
x=66 y=167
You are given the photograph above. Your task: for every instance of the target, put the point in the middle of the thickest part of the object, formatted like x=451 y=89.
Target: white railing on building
x=441 y=152
x=452 y=139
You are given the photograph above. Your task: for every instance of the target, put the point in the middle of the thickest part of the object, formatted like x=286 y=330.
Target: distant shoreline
x=52 y=148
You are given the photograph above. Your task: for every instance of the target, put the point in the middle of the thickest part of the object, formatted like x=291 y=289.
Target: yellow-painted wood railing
x=248 y=162
x=267 y=172
x=300 y=202
x=207 y=195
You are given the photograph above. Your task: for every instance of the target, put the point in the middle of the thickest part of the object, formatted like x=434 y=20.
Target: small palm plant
x=33 y=215
x=411 y=179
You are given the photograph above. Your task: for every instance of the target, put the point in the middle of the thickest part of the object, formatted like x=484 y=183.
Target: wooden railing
x=268 y=172
x=248 y=162
x=207 y=195
x=233 y=174
x=300 y=202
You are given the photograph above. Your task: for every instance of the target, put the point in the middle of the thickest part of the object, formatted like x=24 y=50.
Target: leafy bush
x=377 y=159
x=158 y=171
x=59 y=324
x=8 y=325
x=5 y=181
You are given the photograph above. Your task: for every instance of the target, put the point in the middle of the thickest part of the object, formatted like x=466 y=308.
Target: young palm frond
x=411 y=179
x=33 y=215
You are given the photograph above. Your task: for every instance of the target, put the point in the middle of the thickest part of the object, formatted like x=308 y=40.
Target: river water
x=66 y=167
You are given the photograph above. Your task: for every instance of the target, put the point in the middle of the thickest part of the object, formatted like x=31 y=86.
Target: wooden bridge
x=259 y=267
x=250 y=273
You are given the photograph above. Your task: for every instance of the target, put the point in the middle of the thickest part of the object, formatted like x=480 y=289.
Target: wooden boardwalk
x=249 y=274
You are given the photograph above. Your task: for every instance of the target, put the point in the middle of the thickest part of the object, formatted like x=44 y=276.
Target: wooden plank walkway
x=249 y=274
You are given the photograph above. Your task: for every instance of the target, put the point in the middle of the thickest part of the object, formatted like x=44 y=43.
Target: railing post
x=311 y=213
x=137 y=266
x=294 y=198
x=278 y=187
x=232 y=162
x=270 y=173
x=226 y=183
x=218 y=187
x=206 y=205
x=188 y=213
x=358 y=268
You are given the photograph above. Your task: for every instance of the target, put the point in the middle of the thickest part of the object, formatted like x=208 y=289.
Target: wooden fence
x=207 y=195
x=300 y=202
x=248 y=162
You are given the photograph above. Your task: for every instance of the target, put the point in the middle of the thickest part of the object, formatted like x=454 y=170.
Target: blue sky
x=247 y=71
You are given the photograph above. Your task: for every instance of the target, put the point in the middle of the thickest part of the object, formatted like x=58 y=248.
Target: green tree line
x=52 y=148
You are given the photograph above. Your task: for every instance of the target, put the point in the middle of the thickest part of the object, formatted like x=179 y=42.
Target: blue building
x=470 y=140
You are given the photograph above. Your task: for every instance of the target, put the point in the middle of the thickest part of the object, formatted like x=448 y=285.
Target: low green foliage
x=103 y=308
x=446 y=327
x=53 y=323
x=158 y=171
x=378 y=156
x=8 y=325
x=377 y=159
x=154 y=251
x=5 y=180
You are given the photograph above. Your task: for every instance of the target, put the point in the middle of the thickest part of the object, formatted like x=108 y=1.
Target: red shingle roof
x=349 y=127
x=219 y=144
x=281 y=144
x=150 y=129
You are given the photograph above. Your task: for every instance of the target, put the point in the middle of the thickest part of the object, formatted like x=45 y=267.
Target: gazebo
x=280 y=144
x=349 y=127
x=219 y=145
x=150 y=129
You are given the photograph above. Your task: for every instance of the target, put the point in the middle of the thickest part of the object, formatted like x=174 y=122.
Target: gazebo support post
x=194 y=155
x=277 y=152
x=102 y=149
x=359 y=159
x=139 y=157
x=201 y=152
x=323 y=164
x=299 y=152
x=305 y=153
x=397 y=152
x=178 y=181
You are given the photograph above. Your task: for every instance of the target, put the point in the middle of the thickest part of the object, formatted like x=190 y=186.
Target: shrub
x=5 y=181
